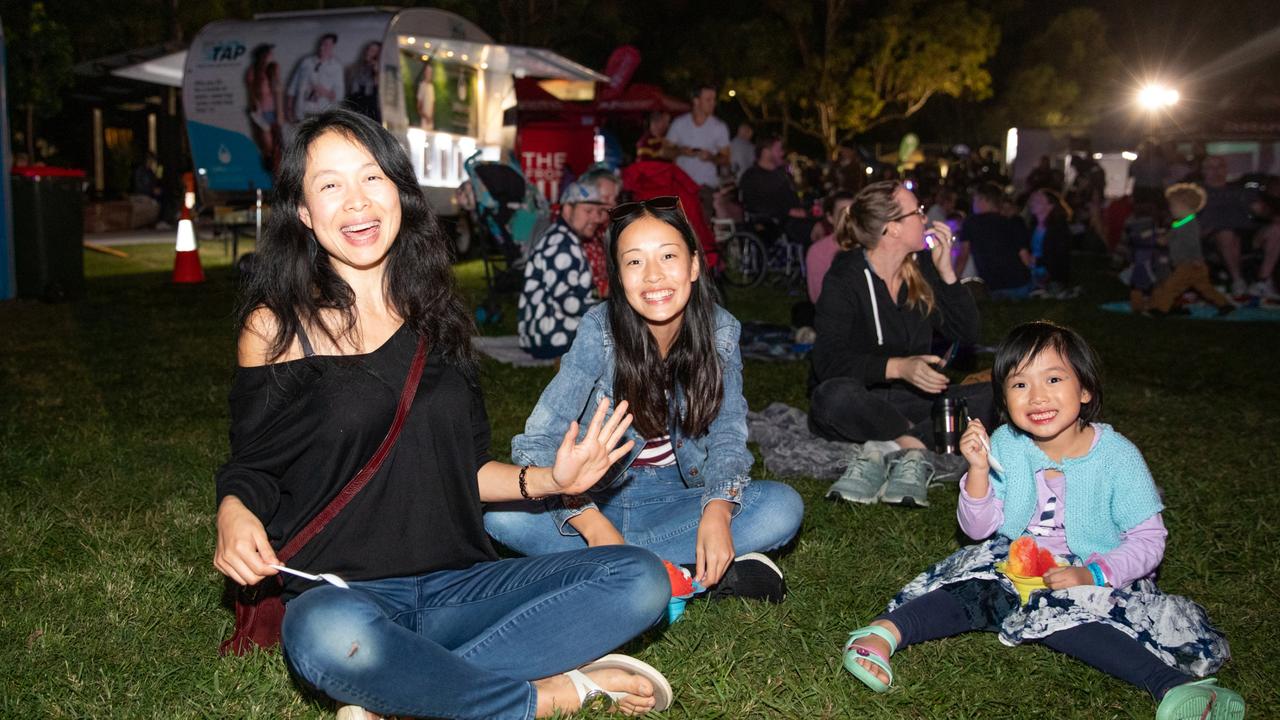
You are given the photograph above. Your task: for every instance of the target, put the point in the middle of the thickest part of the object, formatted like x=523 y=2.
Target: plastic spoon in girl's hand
x=327 y=577
x=991 y=458
x=986 y=445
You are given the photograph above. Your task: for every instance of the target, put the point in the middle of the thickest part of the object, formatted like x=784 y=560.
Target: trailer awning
x=163 y=70
x=156 y=64
x=515 y=60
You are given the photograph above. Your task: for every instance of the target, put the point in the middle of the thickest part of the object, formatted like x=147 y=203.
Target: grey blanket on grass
x=790 y=449
x=506 y=348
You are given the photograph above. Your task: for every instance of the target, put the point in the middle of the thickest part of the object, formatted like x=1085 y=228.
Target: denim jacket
x=719 y=461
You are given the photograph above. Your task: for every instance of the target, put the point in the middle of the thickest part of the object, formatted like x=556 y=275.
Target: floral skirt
x=1171 y=627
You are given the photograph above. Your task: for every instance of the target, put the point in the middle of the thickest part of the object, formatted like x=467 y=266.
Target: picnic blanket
x=506 y=348
x=1201 y=311
x=790 y=449
x=766 y=341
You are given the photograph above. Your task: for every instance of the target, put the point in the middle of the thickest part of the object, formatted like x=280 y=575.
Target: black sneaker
x=752 y=576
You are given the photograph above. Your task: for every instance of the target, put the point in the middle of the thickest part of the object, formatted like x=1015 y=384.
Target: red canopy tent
x=554 y=135
x=641 y=99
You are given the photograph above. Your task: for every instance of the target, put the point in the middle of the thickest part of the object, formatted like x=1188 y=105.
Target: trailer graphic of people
x=262 y=80
x=362 y=82
x=317 y=82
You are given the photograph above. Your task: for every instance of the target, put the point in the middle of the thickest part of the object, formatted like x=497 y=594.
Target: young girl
x=1084 y=492
x=662 y=345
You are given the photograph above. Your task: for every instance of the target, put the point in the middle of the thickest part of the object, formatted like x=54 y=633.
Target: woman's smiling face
x=657 y=272
x=349 y=202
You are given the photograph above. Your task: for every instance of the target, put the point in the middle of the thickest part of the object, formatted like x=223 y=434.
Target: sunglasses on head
x=627 y=209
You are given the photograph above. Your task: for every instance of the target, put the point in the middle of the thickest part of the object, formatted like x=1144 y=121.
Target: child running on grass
x=1103 y=606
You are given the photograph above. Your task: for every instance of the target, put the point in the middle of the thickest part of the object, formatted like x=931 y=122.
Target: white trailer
x=434 y=79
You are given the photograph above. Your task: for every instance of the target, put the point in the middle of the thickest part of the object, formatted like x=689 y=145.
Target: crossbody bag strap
x=370 y=468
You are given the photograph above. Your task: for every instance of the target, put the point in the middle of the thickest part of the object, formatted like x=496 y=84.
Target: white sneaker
x=1263 y=289
x=1239 y=288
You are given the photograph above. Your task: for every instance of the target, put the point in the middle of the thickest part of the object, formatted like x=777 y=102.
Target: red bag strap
x=370 y=468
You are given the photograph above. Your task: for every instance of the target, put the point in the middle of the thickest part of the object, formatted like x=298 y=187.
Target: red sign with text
x=547 y=150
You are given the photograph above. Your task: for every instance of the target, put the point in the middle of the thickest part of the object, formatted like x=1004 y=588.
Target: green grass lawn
x=115 y=418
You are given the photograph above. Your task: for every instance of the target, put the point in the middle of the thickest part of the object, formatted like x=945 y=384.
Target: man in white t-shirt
x=317 y=82
x=701 y=141
x=742 y=151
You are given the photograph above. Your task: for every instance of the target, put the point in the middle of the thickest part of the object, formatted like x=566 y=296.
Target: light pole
x=1156 y=98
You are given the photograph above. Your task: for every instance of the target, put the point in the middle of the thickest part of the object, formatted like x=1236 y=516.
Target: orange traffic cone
x=186 y=261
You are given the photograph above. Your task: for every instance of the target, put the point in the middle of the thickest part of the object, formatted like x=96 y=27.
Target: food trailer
x=434 y=79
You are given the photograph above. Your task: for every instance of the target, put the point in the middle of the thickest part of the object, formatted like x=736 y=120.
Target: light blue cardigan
x=1109 y=489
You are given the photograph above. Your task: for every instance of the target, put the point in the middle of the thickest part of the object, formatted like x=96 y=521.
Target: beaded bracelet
x=1098 y=578
x=524 y=486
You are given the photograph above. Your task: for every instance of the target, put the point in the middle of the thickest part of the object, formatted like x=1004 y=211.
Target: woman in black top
x=353 y=273
x=873 y=377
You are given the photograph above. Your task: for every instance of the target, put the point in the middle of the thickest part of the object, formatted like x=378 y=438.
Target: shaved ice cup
x=1024 y=584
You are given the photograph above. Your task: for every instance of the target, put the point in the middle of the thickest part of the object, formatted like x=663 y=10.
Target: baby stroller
x=507 y=214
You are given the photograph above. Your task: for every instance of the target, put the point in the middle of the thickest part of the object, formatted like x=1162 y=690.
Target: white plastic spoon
x=986 y=445
x=327 y=577
x=991 y=459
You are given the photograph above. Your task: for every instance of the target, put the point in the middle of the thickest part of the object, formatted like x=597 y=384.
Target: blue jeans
x=466 y=643
x=653 y=509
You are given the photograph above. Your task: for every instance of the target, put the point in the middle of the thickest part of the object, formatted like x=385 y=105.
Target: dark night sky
x=1177 y=40
x=1184 y=34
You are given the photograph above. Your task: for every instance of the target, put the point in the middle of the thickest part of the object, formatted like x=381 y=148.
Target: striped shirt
x=1049 y=490
x=656 y=453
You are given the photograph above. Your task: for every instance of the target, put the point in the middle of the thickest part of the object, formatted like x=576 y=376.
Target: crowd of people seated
x=1014 y=236
x=630 y=487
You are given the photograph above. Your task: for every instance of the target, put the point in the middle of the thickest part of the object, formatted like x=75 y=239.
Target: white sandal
x=589 y=690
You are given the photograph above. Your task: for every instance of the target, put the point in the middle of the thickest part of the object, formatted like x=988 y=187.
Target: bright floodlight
x=1156 y=96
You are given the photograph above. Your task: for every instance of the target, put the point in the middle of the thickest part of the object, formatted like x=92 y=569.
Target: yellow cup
x=1024 y=584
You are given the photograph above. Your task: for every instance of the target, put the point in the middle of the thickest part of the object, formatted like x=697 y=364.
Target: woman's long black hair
x=641 y=375
x=293 y=277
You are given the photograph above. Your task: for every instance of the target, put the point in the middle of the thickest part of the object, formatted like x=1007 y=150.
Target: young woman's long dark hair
x=293 y=277
x=641 y=375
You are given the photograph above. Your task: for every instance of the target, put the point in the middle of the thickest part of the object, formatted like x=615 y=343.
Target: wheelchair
x=756 y=249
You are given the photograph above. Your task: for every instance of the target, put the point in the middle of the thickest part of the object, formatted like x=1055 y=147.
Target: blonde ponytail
x=919 y=291
x=863 y=224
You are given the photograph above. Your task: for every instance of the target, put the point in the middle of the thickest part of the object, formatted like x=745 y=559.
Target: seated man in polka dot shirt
x=557 y=277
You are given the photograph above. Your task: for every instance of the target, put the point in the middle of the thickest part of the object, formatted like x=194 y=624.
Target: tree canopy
x=39 y=69
x=834 y=69
x=1065 y=76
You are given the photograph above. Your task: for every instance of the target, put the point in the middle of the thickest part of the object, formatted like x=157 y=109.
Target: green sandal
x=1201 y=700
x=854 y=653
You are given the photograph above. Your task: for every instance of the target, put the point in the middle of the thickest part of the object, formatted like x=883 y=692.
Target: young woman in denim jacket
x=663 y=347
